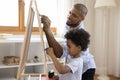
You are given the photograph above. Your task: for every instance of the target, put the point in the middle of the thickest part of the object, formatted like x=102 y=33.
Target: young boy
x=77 y=41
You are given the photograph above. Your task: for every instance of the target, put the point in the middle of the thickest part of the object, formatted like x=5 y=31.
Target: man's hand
x=57 y=48
x=46 y=22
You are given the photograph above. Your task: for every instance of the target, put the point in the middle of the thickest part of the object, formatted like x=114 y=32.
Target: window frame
x=21 y=25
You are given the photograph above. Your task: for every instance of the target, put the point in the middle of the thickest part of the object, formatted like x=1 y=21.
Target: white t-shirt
x=76 y=65
x=88 y=59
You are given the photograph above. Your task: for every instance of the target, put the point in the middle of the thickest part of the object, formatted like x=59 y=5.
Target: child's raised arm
x=59 y=67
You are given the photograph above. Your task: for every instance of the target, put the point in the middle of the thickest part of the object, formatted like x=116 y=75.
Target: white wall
x=105 y=40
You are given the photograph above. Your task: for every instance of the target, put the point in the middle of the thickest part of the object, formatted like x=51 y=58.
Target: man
x=74 y=20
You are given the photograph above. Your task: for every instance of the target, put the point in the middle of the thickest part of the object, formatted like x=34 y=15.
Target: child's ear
x=80 y=47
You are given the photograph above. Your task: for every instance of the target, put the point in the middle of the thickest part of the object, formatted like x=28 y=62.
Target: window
x=44 y=8
x=11 y=15
x=14 y=14
x=8 y=16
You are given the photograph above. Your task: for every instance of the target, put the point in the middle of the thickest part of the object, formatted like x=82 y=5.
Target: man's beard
x=72 y=25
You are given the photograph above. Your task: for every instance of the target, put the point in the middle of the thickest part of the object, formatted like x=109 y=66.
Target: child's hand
x=50 y=51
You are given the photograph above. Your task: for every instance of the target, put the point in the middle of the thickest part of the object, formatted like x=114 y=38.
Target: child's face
x=73 y=50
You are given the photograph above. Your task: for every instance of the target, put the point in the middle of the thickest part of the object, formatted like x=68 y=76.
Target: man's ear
x=82 y=18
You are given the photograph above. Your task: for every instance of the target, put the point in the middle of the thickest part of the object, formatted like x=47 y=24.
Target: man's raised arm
x=58 y=50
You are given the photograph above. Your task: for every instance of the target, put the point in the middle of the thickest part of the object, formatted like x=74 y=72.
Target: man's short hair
x=82 y=8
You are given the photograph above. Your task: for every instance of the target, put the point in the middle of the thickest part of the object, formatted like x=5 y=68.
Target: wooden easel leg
x=42 y=41
x=25 y=46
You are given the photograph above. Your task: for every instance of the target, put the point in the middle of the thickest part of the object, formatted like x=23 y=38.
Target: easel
x=25 y=46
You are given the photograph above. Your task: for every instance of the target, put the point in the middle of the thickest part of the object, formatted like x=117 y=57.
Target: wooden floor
x=111 y=78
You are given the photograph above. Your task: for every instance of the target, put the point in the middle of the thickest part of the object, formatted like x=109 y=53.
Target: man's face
x=74 y=18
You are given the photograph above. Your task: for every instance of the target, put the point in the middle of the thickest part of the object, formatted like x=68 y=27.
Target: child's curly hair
x=79 y=37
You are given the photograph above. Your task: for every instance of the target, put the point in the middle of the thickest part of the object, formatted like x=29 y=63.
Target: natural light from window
x=45 y=8
x=56 y=10
x=9 y=13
